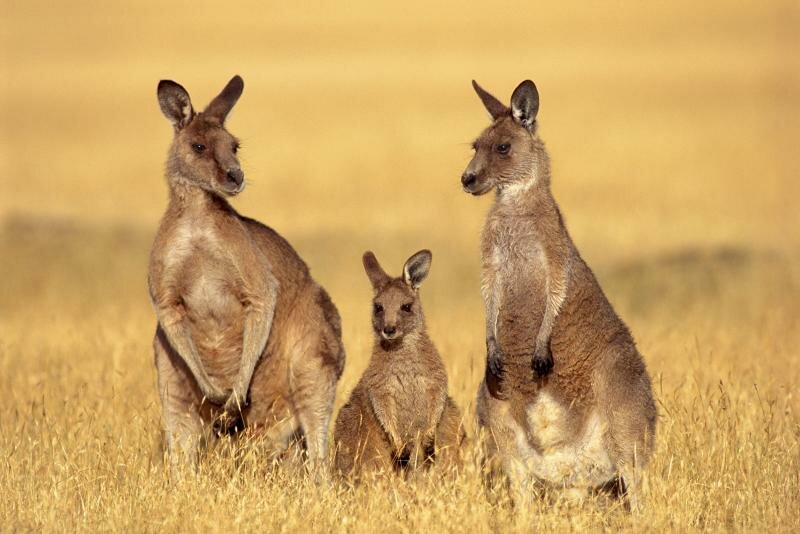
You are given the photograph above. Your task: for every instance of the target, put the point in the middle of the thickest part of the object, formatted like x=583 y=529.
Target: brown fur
x=244 y=335
x=399 y=414
x=566 y=399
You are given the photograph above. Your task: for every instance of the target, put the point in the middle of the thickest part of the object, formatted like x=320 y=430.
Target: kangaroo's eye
x=235 y=148
x=377 y=307
x=198 y=147
x=503 y=148
x=406 y=307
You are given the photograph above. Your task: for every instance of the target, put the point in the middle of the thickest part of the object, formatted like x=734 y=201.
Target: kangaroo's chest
x=207 y=279
x=514 y=263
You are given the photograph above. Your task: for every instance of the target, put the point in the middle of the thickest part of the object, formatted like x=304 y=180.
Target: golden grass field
x=673 y=130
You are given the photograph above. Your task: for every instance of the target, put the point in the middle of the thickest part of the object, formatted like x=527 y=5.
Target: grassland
x=673 y=133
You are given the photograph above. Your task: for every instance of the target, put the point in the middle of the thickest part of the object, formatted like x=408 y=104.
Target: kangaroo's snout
x=389 y=331
x=468 y=179
x=236 y=176
x=474 y=182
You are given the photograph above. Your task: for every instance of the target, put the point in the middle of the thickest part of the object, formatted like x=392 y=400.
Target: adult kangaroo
x=245 y=335
x=566 y=398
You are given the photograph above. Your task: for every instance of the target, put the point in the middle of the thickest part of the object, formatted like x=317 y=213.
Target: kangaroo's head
x=203 y=152
x=507 y=151
x=396 y=307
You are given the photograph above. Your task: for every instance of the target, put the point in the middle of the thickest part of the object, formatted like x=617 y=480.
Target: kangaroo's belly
x=216 y=318
x=412 y=412
x=412 y=400
x=560 y=452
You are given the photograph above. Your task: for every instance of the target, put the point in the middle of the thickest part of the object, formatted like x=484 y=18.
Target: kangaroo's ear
x=495 y=108
x=223 y=103
x=417 y=267
x=175 y=103
x=525 y=104
x=377 y=276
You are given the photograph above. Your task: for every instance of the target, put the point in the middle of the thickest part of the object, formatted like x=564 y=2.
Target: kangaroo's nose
x=468 y=179
x=389 y=330
x=236 y=176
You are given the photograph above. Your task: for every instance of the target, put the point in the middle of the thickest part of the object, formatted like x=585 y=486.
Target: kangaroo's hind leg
x=449 y=437
x=346 y=438
x=314 y=407
x=631 y=423
x=317 y=362
x=506 y=444
x=180 y=403
x=361 y=444
x=633 y=446
x=273 y=428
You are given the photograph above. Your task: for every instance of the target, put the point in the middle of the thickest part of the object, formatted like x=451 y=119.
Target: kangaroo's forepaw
x=494 y=364
x=542 y=362
x=494 y=372
x=235 y=403
x=217 y=395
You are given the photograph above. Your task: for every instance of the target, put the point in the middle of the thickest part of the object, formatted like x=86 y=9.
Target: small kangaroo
x=399 y=414
x=566 y=397
x=244 y=334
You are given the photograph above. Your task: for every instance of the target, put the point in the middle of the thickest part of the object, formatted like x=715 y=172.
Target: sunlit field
x=673 y=131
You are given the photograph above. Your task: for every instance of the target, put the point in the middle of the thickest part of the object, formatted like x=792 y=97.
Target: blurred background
x=673 y=130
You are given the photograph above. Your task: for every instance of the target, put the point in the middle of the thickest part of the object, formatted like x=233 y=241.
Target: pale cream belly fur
x=562 y=458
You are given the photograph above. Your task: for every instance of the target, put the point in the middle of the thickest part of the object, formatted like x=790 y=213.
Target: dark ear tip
x=368 y=257
x=237 y=80
x=425 y=255
x=527 y=85
x=163 y=84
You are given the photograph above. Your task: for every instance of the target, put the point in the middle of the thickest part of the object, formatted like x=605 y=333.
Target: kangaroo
x=399 y=414
x=245 y=335
x=566 y=398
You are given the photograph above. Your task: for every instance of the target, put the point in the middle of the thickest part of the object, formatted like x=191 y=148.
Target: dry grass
x=673 y=135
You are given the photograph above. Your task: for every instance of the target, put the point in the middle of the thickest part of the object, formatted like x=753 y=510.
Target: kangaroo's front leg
x=558 y=271
x=425 y=442
x=491 y=290
x=259 y=311
x=384 y=407
x=173 y=321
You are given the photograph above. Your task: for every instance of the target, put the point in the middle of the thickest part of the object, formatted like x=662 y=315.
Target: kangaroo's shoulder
x=273 y=244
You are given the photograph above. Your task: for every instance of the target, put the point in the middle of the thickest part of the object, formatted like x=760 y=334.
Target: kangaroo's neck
x=529 y=196
x=530 y=209
x=188 y=199
x=523 y=198
x=530 y=199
